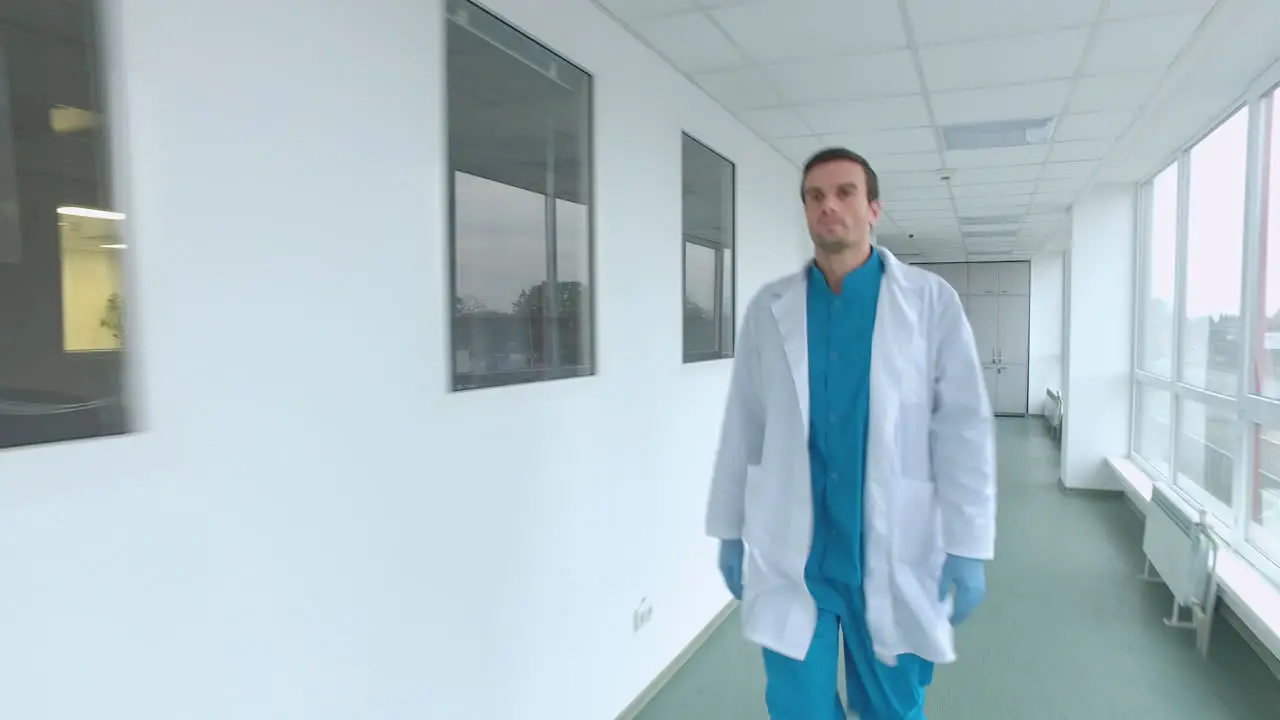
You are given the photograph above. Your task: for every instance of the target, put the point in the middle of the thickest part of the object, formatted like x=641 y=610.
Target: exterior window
x=521 y=246
x=1206 y=391
x=708 y=232
x=63 y=295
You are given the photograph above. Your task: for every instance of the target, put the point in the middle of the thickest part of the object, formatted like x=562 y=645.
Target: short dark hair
x=833 y=154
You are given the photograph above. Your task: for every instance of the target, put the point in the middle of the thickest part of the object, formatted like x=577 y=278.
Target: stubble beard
x=832 y=245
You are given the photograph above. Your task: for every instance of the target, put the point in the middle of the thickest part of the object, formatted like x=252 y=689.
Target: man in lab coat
x=854 y=489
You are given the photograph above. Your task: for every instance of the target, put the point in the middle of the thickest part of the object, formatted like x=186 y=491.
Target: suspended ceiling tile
x=1075 y=169
x=777 y=30
x=743 y=89
x=924 y=192
x=1010 y=204
x=895 y=206
x=1044 y=217
x=906 y=162
x=1124 y=91
x=1060 y=185
x=983 y=176
x=1093 y=125
x=866 y=115
x=996 y=157
x=990 y=189
x=946 y=21
x=691 y=42
x=1052 y=200
x=935 y=220
x=776 y=122
x=1133 y=8
x=853 y=77
x=798 y=149
x=910 y=140
x=1079 y=150
x=1043 y=56
x=1013 y=102
x=901 y=179
x=645 y=9
x=904 y=216
x=1142 y=44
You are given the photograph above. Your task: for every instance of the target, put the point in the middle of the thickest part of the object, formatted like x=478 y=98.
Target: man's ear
x=875 y=211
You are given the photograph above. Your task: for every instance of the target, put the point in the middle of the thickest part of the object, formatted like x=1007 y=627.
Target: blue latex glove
x=968 y=579
x=731 y=566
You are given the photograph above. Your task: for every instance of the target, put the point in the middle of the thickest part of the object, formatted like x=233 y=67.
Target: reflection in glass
x=1155 y=351
x=519 y=147
x=699 y=300
x=1152 y=432
x=1211 y=334
x=1206 y=448
x=708 y=236
x=62 y=296
x=1264 y=523
x=1266 y=380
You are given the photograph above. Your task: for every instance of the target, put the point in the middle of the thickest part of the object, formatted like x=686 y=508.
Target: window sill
x=1246 y=590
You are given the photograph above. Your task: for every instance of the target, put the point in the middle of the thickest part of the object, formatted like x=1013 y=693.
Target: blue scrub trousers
x=806 y=690
x=840 y=331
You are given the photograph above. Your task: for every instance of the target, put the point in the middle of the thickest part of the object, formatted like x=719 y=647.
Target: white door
x=984 y=278
x=1013 y=329
x=984 y=317
x=991 y=376
x=1014 y=278
x=1011 y=390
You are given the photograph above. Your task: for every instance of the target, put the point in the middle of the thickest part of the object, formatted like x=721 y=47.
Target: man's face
x=836 y=206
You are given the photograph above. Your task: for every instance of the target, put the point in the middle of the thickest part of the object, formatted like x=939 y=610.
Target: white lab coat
x=930 y=486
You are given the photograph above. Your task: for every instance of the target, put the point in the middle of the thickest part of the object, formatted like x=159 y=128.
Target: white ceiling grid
x=882 y=77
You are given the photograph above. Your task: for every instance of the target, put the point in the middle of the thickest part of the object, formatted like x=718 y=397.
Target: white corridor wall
x=318 y=530
x=1045 y=370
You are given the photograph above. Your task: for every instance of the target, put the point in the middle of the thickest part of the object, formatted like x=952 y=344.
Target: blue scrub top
x=840 y=326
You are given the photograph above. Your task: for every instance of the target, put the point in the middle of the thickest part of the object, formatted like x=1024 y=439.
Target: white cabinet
x=956 y=275
x=997 y=300
x=984 y=318
x=1013 y=278
x=999 y=309
x=984 y=279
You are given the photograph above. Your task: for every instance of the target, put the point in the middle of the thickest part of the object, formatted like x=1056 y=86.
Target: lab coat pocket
x=915 y=521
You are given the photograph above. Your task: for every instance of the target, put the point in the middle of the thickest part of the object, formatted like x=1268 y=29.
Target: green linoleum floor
x=1067 y=632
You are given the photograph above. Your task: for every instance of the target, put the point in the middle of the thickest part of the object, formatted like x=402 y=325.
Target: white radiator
x=1185 y=555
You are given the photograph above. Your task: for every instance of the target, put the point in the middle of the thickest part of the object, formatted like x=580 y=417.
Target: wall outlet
x=642 y=615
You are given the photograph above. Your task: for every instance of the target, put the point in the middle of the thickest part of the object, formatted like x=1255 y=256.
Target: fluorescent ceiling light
x=970 y=234
x=983 y=229
x=90 y=213
x=114 y=246
x=998 y=134
x=65 y=119
x=981 y=220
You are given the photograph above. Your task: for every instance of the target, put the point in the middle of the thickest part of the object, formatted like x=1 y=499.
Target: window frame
x=725 y=318
x=591 y=351
x=1250 y=409
x=104 y=67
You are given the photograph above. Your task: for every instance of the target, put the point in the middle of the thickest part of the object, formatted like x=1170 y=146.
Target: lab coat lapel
x=790 y=310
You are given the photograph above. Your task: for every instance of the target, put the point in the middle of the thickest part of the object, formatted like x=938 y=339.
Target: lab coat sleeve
x=961 y=439
x=741 y=438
